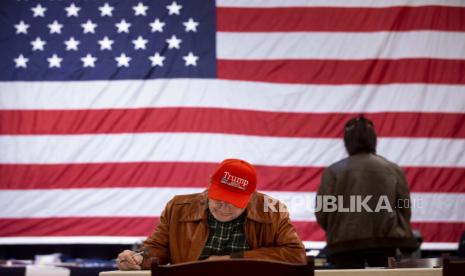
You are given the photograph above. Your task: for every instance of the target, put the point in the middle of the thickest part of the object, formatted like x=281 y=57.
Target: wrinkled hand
x=128 y=261
x=226 y=257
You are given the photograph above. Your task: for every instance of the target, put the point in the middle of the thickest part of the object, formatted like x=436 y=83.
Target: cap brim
x=238 y=200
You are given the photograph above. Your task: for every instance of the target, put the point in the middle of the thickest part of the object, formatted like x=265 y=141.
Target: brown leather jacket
x=183 y=231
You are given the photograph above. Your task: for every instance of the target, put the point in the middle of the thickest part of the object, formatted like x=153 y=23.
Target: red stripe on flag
x=300 y=19
x=435 y=179
x=81 y=226
x=440 y=231
x=381 y=71
x=191 y=175
x=309 y=231
x=430 y=231
x=211 y=120
x=143 y=174
x=143 y=226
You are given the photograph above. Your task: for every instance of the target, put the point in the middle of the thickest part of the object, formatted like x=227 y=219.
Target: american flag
x=109 y=108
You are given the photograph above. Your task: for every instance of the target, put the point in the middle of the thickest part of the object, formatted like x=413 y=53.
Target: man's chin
x=223 y=218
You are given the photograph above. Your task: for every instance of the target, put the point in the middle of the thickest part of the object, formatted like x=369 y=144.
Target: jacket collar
x=255 y=209
x=200 y=204
x=199 y=207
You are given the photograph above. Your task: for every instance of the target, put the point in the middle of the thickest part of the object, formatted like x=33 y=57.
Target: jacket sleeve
x=404 y=213
x=157 y=244
x=403 y=197
x=288 y=246
x=327 y=181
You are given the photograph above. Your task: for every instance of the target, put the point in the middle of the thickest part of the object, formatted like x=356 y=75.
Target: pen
x=138 y=253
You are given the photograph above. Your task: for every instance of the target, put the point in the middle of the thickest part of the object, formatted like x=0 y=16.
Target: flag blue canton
x=97 y=40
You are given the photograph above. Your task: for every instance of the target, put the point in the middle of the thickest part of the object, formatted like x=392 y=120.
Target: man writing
x=228 y=220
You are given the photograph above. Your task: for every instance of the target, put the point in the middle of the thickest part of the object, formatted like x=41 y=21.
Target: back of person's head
x=359 y=136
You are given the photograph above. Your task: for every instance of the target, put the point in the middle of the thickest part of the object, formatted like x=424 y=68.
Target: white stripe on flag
x=72 y=240
x=150 y=202
x=340 y=45
x=208 y=147
x=232 y=94
x=426 y=207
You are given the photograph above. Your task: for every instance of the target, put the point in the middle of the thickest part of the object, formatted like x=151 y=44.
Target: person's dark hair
x=359 y=136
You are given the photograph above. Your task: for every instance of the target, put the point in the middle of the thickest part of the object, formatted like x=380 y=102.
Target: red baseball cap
x=234 y=181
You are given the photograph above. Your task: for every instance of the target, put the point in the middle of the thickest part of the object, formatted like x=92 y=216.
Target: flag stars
x=88 y=61
x=123 y=60
x=191 y=25
x=173 y=42
x=54 y=61
x=174 y=8
x=157 y=25
x=38 y=11
x=72 y=10
x=157 y=60
x=105 y=43
x=140 y=9
x=55 y=27
x=123 y=26
x=190 y=59
x=21 y=61
x=38 y=44
x=89 y=27
x=106 y=10
x=139 y=43
x=71 y=44
x=21 y=27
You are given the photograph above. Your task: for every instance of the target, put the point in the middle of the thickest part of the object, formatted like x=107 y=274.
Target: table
x=329 y=272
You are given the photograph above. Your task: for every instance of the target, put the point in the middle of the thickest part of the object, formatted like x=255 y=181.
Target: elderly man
x=229 y=220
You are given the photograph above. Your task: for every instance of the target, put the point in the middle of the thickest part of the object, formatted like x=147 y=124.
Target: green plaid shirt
x=224 y=237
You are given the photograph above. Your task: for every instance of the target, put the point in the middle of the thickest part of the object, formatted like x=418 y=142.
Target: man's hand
x=129 y=260
x=225 y=257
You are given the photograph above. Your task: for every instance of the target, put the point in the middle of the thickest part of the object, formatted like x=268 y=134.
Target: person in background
x=229 y=220
x=374 y=219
